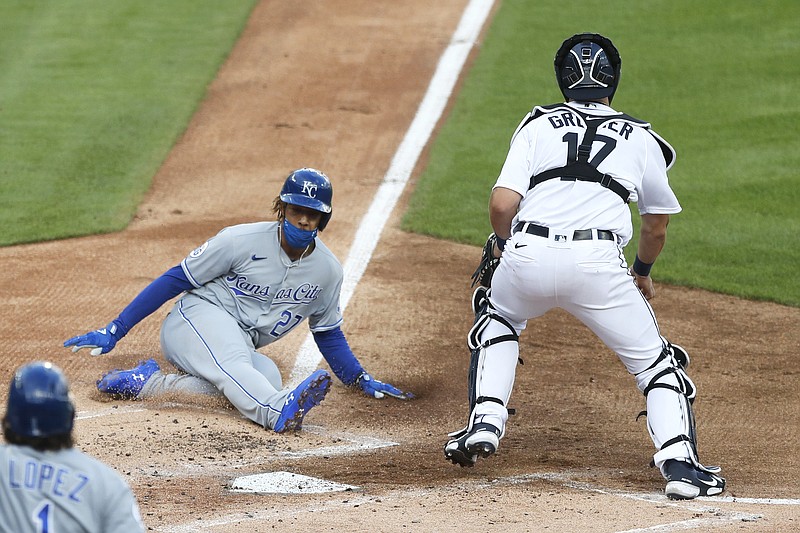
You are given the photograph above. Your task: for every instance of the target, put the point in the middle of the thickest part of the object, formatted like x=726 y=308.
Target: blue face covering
x=296 y=237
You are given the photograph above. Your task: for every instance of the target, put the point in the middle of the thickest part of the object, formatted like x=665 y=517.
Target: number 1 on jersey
x=42 y=517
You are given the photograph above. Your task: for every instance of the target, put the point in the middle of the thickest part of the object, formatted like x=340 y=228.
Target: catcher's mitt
x=483 y=274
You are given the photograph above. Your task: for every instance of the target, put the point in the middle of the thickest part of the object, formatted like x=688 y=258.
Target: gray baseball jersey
x=60 y=491
x=244 y=271
x=247 y=294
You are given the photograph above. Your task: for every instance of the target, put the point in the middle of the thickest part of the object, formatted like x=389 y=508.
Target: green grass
x=719 y=83
x=93 y=94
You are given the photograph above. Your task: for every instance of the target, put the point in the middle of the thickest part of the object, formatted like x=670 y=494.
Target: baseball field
x=123 y=152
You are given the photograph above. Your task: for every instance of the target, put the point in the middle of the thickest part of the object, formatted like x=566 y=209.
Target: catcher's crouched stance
x=561 y=219
x=668 y=384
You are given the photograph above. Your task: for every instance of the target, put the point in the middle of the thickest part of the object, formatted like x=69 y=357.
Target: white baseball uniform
x=584 y=273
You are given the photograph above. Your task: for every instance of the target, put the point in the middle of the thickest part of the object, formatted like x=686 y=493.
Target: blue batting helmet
x=587 y=67
x=39 y=404
x=309 y=188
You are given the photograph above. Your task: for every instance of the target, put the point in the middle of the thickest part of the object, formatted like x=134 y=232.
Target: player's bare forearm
x=653 y=235
x=503 y=205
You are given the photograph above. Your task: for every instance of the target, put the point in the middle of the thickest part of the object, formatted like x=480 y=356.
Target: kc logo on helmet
x=310 y=189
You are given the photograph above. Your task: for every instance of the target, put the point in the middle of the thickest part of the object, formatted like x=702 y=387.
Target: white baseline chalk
x=430 y=110
x=116 y=410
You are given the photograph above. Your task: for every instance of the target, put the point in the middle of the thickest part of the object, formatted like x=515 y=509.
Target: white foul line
x=428 y=114
x=565 y=478
x=717 y=516
x=359 y=443
x=84 y=415
x=757 y=501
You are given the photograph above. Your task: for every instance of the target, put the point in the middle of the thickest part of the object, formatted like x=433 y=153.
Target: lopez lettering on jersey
x=64 y=490
x=49 y=480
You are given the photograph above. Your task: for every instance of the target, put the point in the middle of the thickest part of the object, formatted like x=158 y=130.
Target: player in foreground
x=560 y=215
x=46 y=484
x=244 y=289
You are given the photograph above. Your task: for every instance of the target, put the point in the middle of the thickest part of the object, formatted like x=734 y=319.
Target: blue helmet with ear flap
x=310 y=188
x=39 y=404
x=587 y=67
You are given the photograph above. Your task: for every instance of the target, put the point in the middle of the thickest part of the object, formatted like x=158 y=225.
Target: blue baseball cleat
x=299 y=402
x=128 y=383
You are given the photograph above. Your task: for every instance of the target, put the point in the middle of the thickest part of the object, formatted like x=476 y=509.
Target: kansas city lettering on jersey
x=44 y=478
x=241 y=287
x=302 y=294
x=305 y=293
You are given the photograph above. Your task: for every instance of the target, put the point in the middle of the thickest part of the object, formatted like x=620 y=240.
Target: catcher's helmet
x=310 y=188
x=39 y=404
x=587 y=67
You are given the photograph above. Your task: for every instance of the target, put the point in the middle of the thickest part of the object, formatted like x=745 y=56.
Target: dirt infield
x=335 y=85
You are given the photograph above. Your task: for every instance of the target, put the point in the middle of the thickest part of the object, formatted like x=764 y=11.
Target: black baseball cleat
x=685 y=481
x=466 y=446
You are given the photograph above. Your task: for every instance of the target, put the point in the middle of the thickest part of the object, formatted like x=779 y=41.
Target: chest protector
x=579 y=167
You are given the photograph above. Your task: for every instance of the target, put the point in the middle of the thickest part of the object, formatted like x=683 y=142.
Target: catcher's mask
x=587 y=67
x=39 y=404
x=310 y=188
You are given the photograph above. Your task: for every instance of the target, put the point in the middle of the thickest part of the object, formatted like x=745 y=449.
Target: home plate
x=285 y=483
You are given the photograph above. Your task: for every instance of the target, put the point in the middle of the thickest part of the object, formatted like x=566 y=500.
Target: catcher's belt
x=577 y=235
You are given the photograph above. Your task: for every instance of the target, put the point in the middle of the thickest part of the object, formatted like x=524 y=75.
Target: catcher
x=560 y=215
